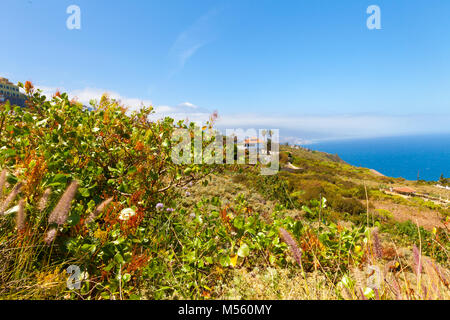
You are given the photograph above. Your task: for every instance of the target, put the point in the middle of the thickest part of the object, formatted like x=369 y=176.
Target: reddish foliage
x=29 y=87
x=138 y=261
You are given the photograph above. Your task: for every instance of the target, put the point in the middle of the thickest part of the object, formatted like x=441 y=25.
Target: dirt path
x=291 y=166
x=426 y=218
x=375 y=172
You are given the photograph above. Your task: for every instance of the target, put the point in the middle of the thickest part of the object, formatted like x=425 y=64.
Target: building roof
x=253 y=140
x=6 y=81
x=404 y=190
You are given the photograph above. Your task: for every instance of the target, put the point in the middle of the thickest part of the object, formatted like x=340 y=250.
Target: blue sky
x=311 y=68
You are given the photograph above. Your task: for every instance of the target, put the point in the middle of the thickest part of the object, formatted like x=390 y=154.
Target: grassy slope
x=326 y=175
x=325 y=171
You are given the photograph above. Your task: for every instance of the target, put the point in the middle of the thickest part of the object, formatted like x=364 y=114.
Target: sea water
x=426 y=157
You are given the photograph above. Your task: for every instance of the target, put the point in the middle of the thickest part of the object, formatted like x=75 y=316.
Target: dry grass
x=223 y=187
x=395 y=280
x=19 y=278
x=275 y=284
x=378 y=279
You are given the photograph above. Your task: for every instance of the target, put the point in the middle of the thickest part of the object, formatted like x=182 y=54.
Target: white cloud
x=308 y=129
x=87 y=94
x=188 y=105
x=295 y=129
x=163 y=109
x=182 y=111
x=295 y=140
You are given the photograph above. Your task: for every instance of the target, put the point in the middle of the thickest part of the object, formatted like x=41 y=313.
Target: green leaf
x=59 y=178
x=209 y=260
x=84 y=192
x=225 y=261
x=73 y=219
x=308 y=210
x=9 y=153
x=109 y=267
x=243 y=251
x=118 y=258
x=126 y=277
x=272 y=259
x=88 y=247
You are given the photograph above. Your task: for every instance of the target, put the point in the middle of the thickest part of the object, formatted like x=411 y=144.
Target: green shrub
x=351 y=206
x=383 y=215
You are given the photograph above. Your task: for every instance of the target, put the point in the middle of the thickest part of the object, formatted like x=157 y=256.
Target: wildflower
x=159 y=206
x=2 y=181
x=417 y=261
x=289 y=240
x=20 y=219
x=101 y=235
x=44 y=200
x=192 y=215
x=377 y=248
x=60 y=214
x=214 y=116
x=126 y=214
x=102 y=206
x=50 y=236
x=188 y=193
x=10 y=198
x=170 y=209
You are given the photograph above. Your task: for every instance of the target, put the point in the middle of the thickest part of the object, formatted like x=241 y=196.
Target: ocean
x=406 y=157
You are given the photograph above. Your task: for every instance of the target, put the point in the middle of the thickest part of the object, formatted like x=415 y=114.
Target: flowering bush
x=91 y=183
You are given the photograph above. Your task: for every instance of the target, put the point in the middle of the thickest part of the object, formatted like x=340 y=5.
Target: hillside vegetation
x=96 y=191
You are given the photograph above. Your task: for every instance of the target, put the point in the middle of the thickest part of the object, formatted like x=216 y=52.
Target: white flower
x=126 y=214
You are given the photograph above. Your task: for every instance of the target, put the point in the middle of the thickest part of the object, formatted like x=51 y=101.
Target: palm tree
x=269 y=142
